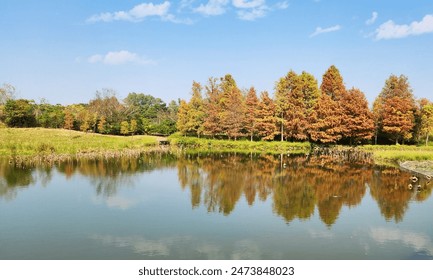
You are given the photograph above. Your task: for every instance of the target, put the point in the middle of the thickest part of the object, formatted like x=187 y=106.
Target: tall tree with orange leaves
x=266 y=120
x=357 y=118
x=212 y=119
x=394 y=109
x=325 y=121
x=251 y=111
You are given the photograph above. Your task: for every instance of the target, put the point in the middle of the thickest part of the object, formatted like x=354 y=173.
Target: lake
x=214 y=206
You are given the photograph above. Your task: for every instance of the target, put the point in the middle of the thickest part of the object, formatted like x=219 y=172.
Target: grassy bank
x=193 y=144
x=42 y=141
x=59 y=142
x=399 y=153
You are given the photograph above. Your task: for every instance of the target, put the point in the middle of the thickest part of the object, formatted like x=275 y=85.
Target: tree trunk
x=282 y=127
x=251 y=137
x=426 y=139
x=396 y=141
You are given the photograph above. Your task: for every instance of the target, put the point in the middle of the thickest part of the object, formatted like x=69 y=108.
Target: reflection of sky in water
x=418 y=241
x=213 y=209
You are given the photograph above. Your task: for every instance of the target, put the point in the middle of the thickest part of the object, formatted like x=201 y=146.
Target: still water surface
x=213 y=207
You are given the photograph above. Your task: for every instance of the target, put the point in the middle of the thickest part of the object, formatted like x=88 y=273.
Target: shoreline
x=424 y=168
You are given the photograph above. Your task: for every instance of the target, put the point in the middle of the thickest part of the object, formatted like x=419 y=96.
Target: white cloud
x=282 y=5
x=212 y=8
x=319 y=30
x=117 y=58
x=245 y=4
x=252 y=14
x=250 y=10
x=139 y=13
x=373 y=18
x=390 y=30
x=418 y=241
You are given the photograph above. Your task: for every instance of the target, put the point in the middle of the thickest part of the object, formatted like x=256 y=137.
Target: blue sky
x=64 y=51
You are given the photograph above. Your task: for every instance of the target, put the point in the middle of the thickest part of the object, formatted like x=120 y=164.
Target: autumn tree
x=295 y=96
x=232 y=108
x=332 y=83
x=69 y=120
x=251 y=112
x=212 y=119
x=182 y=117
x=426 y=125
x=195 y=114
x=325 y=121
x=102 y=125
x=357 y=119
x=326 y=125
x=394 y=109
x=266 y=120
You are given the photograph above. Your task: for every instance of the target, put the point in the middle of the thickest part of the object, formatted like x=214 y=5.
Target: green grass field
x=400 y=153
x=39 y=141
x=42 y=141
x=193 y=144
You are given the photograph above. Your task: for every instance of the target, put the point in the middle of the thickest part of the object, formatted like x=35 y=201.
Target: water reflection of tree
x=107 y=175
x=13 y=178
x=318 y=181
x=393 y=189
x=297 y=184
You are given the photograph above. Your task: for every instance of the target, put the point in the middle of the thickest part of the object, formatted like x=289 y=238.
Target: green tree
x=49 y=116
x=426 y=126
x=133 y=127
x=20 y=113
x=283 y=91
x=124 y=128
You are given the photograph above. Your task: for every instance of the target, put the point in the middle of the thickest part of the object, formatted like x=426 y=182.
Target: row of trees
x=136 y=114
x=301 y=110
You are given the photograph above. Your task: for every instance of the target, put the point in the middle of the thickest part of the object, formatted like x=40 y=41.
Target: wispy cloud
x=254 y=9
x=391 y=30
x=212 y=8
x=319 y=30
x=244 y=9
x=139 y=13
x=282 y=5
x=117 y=58
x=373 y=18
x=418 y=241
x=252 y=14
x=248 y=4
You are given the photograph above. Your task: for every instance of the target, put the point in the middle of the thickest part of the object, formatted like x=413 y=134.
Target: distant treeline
x=136 y=114
x=301 y=111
